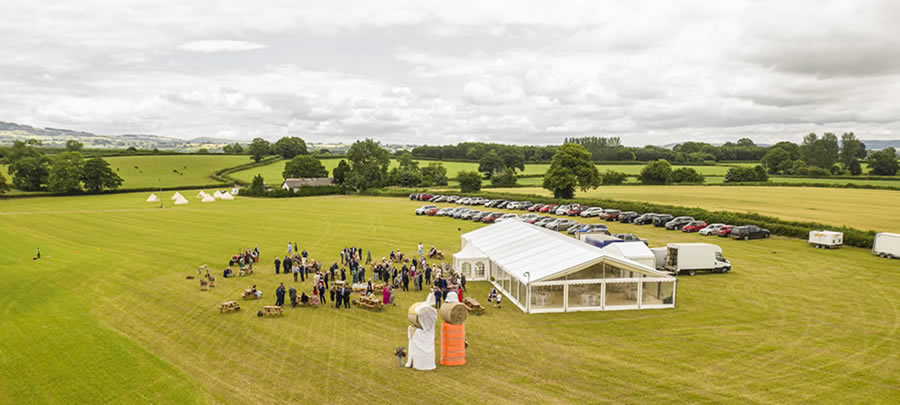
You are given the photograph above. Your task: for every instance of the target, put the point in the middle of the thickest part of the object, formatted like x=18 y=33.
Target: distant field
x=858 y=208
x=272 y=172
x=155 y=171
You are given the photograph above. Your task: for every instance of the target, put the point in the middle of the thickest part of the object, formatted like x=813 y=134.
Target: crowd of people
x=357 y=273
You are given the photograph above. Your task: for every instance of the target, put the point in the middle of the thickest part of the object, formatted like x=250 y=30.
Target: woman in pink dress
x=385 y=296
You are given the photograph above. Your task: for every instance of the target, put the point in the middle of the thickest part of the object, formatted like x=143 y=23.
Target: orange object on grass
x=453 y=344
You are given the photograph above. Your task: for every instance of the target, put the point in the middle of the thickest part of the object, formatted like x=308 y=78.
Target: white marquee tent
x=153 y=198
x=635 y=250
x=540 y=270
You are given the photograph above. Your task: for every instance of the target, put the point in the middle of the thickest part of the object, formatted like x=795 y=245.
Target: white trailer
x=887 y=245
x=826 y=239
x=694 y=257
x=660 y=253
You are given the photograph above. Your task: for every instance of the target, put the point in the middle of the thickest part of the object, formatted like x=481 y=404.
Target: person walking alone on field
x=290 y=248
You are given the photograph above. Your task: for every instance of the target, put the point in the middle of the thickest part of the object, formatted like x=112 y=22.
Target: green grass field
x=153 y=171
x=858 y=208
x=111 y=317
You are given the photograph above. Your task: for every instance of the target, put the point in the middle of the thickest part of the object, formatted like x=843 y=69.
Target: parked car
x=611 y=215
x=627 y=216
x=478 y=217
x=591 y=212
x=725 y=230
x=469 y=214
x=452 y=198
x=549 y=208
x=502 y=204
x=572 y=228
x=424 y=197
x=524 y=205
x=593 y=228
x=529 y=217
x=492 y=217
x=421 y=210
x=660 y=220
x=443 y=212
x=711 y=229
x=431 y=211
x=544 y=221
x=678 y=222
x=562 y=209
x=694 y=226
x=458 y=213
x=749 y=232
x=644 y=219
x=413 y=196
x=576 y=210
x=536 y=207
x=559 y=224
x=437 y=199
x=508 y=217
x=630 y=237
x=478 y=201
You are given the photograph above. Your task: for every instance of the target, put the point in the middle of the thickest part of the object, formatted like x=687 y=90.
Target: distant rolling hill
x=11 y=132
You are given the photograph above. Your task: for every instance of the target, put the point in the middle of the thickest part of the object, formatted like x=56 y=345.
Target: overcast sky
x=450 y=71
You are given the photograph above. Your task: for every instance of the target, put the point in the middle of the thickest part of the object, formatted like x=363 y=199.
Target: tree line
x=67 y=172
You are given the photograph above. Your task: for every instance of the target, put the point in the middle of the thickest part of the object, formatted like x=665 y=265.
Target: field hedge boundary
x=793 y=229
x=222 y=175
x=302 y=191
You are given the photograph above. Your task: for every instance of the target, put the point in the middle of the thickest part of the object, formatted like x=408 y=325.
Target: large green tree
x=852 y=149
x=407 y=173
x=571 y=168
x=658 y=172
x=469 y=181
x=66 y=173
x=504 y=178
x=434 y=174
x=687 y=175
x=884 y=162
x=30 y=173
x=258 y=186
x=368 y=165
x=339 y=174
x=4 y=186
x=98 y=176
x=774 y=158
x=73 y=145
x=491 y=162
x=304 y=166
x=288 y=147
x=820 y=152
x=259 y=148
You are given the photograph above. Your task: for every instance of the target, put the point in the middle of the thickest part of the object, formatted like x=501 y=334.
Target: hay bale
x=413 y=315
x=454 y=313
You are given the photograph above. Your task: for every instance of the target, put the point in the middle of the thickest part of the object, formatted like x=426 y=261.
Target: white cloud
x=505 y=70
x=220 y=45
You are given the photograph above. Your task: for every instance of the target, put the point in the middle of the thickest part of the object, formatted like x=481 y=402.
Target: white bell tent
x=208 y=198
x=540 y=270
x=201 y=195
x=177 y=196
x=181 y=201
x=227 y=196
x=153 y=198
x=217 y=195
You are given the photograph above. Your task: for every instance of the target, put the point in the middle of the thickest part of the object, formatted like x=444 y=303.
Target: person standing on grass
x=420 y=249
x=321 y=287
x=286 y=263
x=437 y=298
x=405 y=279
x=343 y=274
x=427 y=274
x=369 y=257
x=277 y=265
x=279 y=295
x=346 y=297
x=290 y=248
x=462 y=282
x=293 y=294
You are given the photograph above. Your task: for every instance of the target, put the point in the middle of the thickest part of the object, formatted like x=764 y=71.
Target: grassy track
x=861 y=209
x=111 y=318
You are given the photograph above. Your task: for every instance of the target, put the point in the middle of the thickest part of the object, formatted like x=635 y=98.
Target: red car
x=491 y=218
x=425 y=197
x=694 y=226
x=549 y=208
x=575 y=210
x=611 y=215
x=725 y=230
x=533 y=220
x=431 y=211
x=536 y=207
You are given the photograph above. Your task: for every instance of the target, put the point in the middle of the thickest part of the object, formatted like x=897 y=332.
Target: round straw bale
x=454 y=313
